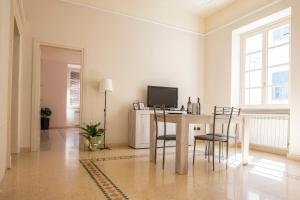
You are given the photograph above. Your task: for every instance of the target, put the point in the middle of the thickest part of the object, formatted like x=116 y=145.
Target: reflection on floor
x=56 y=173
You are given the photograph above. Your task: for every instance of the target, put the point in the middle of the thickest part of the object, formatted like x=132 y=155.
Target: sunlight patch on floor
x=253 y=196
x=270 y=169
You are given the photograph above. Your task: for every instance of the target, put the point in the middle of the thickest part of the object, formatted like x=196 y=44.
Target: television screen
x=158 y=96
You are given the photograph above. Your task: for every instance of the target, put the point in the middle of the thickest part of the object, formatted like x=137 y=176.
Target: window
x=73 y=87
x=265 y=65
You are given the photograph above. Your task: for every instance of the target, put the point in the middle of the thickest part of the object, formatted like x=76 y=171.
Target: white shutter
x=74 y=98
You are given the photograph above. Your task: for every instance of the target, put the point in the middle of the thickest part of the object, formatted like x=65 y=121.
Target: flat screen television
x=158 y=96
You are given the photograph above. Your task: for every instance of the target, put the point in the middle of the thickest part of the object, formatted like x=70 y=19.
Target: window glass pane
x=253 y=61
x=278 y=75
x=278 y=55
x=279 y=35
x=247 y=94
x=254 y=43
x=278 y=95
x=255 y=78
x=255 y=96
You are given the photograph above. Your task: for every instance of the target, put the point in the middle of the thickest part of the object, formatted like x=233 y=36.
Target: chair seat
x=167 y=137
x=210 y=138
x=221 y=135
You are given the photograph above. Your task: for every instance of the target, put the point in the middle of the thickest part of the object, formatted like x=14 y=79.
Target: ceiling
x=187 y=14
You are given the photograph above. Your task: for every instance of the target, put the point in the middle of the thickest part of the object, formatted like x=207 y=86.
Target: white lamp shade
x=105 y=85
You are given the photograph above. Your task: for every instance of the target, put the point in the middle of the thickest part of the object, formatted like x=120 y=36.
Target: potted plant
x=45 y=118
x=93 y=134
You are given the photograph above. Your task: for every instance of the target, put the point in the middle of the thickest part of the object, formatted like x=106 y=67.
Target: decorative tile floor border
x=117 y=157
x=110 y=190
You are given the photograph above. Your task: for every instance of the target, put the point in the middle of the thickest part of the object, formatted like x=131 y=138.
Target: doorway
x=60 y=90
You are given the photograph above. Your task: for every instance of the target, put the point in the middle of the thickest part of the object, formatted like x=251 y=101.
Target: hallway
x=52 y=173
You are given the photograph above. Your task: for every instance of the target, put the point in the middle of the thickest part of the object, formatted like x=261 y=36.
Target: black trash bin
x=45 y=118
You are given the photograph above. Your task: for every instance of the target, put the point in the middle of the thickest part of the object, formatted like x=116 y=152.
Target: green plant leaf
x=92 y=130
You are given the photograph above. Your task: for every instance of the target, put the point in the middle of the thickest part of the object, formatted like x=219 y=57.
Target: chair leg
x=194 y=152
x=219 y=152
x=205 y=154
x=213 y=155
x=164 y=154
x=208 y=150
x=155 y=151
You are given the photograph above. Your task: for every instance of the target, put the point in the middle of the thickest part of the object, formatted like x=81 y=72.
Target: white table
x=182 y=129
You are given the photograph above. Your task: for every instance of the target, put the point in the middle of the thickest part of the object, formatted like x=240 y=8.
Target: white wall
x=295 y=82
x=5 y=14
x=133 y=53
x=218 y=58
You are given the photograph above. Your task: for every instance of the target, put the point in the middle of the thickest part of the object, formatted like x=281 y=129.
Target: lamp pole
x=105 y=86
x=104 y=147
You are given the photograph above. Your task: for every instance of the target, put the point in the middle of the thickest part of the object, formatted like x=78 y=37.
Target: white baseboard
x=293 y=157
x=9 y=162
x=266 y=149
x=123 y=144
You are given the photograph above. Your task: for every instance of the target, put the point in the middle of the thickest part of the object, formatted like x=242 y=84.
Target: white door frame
x=35 y=106
x=17 y=15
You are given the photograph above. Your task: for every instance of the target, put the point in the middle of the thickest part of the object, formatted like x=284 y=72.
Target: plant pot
x=94 y=142
x=45 y=121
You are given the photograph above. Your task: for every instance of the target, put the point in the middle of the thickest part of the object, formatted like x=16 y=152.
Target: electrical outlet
x=197 y=128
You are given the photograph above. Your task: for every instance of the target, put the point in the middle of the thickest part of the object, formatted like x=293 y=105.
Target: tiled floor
x=55 y=173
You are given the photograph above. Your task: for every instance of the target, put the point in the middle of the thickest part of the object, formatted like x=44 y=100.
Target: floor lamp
x=105 y=86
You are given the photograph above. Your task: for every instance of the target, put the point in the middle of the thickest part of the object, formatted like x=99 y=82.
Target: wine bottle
x=189 y=106
x=198 y=106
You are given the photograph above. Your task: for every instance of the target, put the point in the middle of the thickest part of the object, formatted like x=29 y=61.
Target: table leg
x=152 y=139
x=182 y=136
x=210 y=149
x=244 y=129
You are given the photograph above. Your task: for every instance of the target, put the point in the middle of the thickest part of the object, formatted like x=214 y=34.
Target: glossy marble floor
x=55 y=173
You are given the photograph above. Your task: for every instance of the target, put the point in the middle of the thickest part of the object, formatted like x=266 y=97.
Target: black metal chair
x=224 y=114
x=165 y=137
x=236 y=111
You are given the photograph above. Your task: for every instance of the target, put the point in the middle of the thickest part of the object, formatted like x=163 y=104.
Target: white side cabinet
x=139 y=130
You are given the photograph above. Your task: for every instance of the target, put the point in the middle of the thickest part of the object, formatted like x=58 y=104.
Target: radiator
x=270 y=130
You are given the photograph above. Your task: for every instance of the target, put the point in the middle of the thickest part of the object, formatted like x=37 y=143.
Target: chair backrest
x=156 y=120
x=225 y=114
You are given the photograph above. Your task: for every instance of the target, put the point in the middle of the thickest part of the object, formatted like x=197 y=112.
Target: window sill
x=265 y=110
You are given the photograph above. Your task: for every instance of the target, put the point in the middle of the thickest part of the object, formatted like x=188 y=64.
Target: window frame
x=265 y=68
